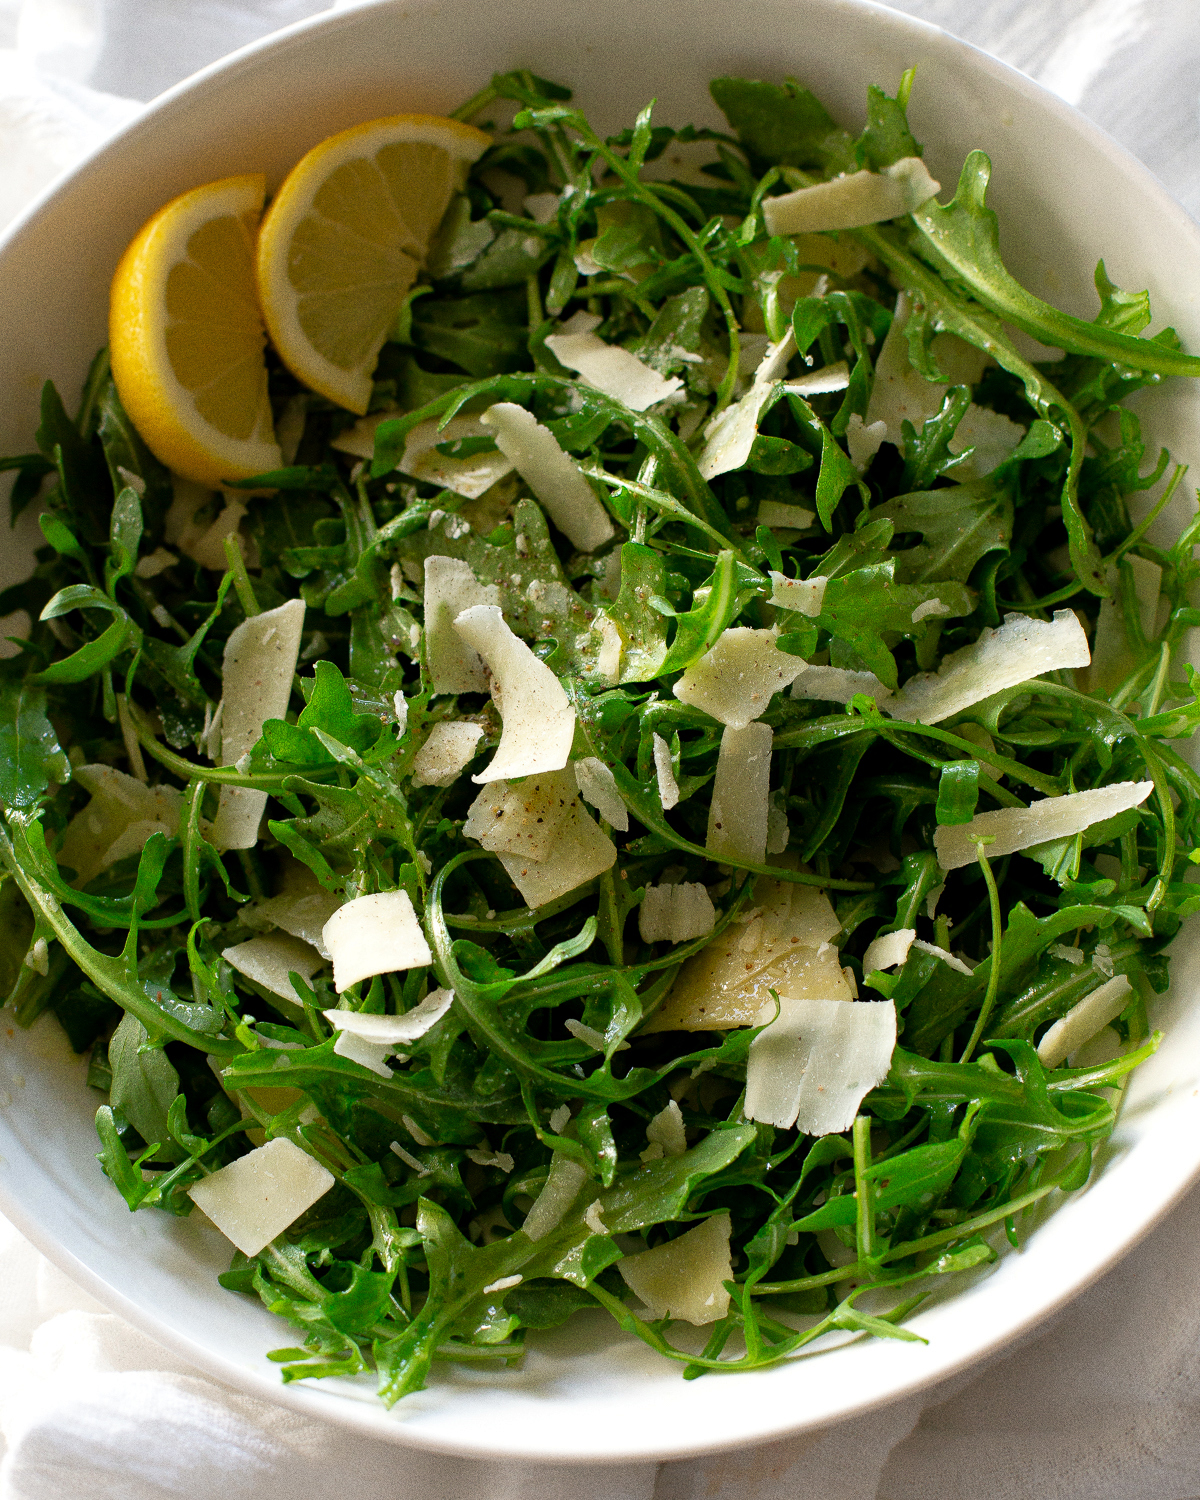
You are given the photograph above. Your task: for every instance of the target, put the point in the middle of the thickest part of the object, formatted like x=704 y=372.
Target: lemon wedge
x=186 y=336
x=344 y=238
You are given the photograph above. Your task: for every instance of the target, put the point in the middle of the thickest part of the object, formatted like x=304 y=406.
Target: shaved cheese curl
x=815 y=1063
x=668 y=787
x=852 y=201
x=676 y=913
x=738 y=815
x=376 y=934
x=469 y=477
x=1016 y=828
x=553 y=476
x=1083 y=1021
x=254 y=1199
x=393 y=1031
x=889 y=950
x=447 y=752
x=598 y=785
x=580 y=851
x=539 y=722
x=839 y=685
x=736 y=680
x=804 y=595
x=451 y=587
x=269 y=960
x=685 y=1278
x=259 y=663
x=609 y=368
x=1018 y=651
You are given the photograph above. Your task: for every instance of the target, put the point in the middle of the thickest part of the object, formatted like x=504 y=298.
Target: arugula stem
x=993 y=984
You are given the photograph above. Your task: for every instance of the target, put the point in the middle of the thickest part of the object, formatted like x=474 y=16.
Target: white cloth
x=1103 y=1404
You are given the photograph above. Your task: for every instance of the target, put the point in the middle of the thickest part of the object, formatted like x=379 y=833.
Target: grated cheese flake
x=815 y=1063
x=524 y=818
x=376 y=934
x=539 y=722
x=122 y=814
x=598 y=785
x=736 y=679
x=302 y=913
x=666 y=1130
x=946 y=958
x=254 y=1199
x=839 y=685
x=580 y=852
x=1016 y=828
x=790 y=517
x=370 y=1055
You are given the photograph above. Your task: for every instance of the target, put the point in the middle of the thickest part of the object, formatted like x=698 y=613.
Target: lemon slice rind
x=320 y=226
x=167 y=412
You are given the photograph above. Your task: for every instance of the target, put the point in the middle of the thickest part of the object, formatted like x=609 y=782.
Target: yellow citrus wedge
x=343 y=240
x=186 y=336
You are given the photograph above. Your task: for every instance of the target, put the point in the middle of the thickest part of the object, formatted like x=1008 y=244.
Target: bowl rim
x=316 y=1401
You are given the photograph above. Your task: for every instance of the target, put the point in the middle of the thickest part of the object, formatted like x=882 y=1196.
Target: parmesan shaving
x=784 y=946
x=451 y=587
x=736 y=680
x=666 y=1130
x=550 y=1207
x=852 y=201
x=946 y=958
x=738 y=812
x=523 y=819
x=901 y=394
x=592 y=1038
x=598 y=785
x=668 y=787
x=839 y=685
x=676 y=913
x=1112 y=657
x=366 y=1054
x=393 y=1031
x=302 y=913
x=835 y=377
x=1015 y=828
x=1083 y=1021
x=505 y=1284
x=447 y=752
x=270 y=959
x=254 y=1199
x=815 y=1063
x=776 y=513
x=889 y=950
x=617 y=372
x=539 y=722
x=259 y=662
x=685 y=1278
x=469 y=477
x=372 y=935
x=593 y=1220
x=122 y=814
x=864 y=442
x=989 y=434
x=931 y=607
x=580 y=853
x=553 y=476
x=1019 y=650
x=804 y=595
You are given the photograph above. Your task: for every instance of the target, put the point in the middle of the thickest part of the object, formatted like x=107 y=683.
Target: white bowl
x=1066 y=195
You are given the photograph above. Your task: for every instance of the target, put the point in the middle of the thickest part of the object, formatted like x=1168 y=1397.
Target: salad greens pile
x=398 y=1264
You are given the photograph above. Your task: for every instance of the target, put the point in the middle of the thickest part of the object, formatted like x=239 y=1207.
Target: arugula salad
x=678 y=809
